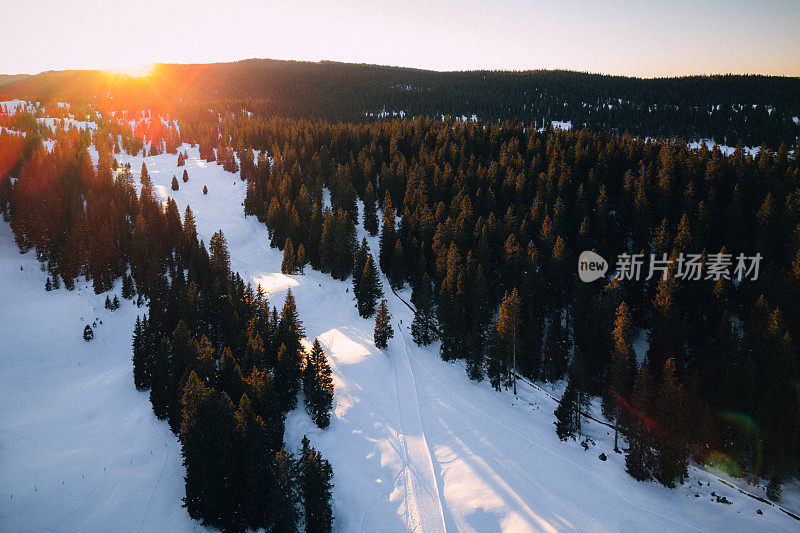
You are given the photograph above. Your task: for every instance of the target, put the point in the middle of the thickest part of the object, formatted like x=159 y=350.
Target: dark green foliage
x=367 y=288
x=288 y=265
x=383 y=326
x=423 y=328
x=88 y=333
x=318 y=386
x=127 y=287
x=315 y=476
x=370 y=211
x=774 y=491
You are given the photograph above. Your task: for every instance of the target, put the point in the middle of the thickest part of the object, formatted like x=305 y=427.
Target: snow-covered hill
x=414 y=444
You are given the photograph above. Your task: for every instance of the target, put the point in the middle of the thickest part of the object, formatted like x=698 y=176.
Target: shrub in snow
x=88 y=333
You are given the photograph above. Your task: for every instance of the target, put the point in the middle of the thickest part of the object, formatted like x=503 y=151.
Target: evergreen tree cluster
x=486 y=211
x=221 y=365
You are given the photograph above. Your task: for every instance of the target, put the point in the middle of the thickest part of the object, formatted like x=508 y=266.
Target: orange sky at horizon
x=643 y=38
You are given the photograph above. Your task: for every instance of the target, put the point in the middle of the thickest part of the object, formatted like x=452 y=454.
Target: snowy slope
x=413 y=443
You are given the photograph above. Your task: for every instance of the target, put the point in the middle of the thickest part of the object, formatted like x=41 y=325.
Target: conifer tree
x=127 y=287
x=423 y=328
x=623 y=363
x=300 y=259
x=185 y=176
x=383 y=326
x=388 y=235
x=174 y=183
x=638 y=455
x=567 y=413
x=671 y=448
x=368 y=289
x=315 y=489
x=508 y=329
x=220 y=257
x=88 y=333
x=370 y=210
x=318 y=386
x=397 y=271
x=160 y=380
x=205 y=189
x=145 y=177
x=288 y=262
x=141 y=357
x=774 y=491
x=285 y=513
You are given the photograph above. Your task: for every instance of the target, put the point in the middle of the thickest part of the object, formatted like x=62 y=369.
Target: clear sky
x=630 y=37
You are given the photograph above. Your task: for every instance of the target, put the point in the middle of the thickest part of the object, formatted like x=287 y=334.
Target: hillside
x=726 y=109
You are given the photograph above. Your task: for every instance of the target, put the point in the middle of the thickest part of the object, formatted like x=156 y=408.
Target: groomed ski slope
x=415 y=445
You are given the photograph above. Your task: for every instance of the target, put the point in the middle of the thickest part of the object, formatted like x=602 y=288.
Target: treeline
x=222 y=366
x=726 y=109
x=492 y=219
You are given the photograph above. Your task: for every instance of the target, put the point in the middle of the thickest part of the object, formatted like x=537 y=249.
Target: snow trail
x=422 y=498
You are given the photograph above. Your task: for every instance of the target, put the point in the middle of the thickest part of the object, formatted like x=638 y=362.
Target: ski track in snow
x=418 y=470
x=414 y=445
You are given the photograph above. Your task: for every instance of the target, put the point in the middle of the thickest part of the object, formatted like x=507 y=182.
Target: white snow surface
x=414 y=444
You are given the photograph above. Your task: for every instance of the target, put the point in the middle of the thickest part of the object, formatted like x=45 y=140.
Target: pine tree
x=185 y=176
x=207 y=444
x=508 y=328
x=47 y=285
x=368 y=289
x=423 y=328
x=160 y=380
x=205 y=189
x=774 y=491
x=107 y=304
x=383 y=327
x=671 y=459
x=315 y=489
x=142 y=356
x=318 y=386
x=370 y=211
x=623 y=362
x=127 y=287
x=284 y=513
x=88 y=333
x=567 y=413
x=220 y=257
x=638 y=455
x=300 y=259
x=115 y=303
x=288 y=262
x=145 y=177
x=397 y=268
x=359 y=260
x=388 y=235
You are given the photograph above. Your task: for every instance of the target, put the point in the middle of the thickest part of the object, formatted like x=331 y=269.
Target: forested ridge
x=723 y=108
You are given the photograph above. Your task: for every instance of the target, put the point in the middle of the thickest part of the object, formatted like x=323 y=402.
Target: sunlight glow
x=140 y=71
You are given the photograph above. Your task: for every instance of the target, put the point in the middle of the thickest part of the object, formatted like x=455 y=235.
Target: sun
x=139 y=71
